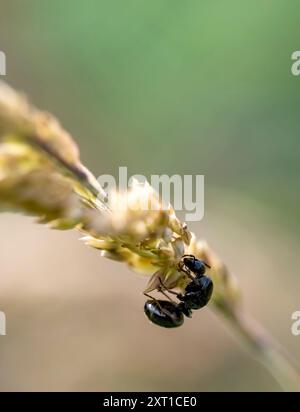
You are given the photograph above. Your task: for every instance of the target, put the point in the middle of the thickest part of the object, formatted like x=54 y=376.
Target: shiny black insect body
x=164 y=313
x=169 y=314
x=198 y=267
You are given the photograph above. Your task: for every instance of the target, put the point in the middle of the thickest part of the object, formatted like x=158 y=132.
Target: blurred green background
x=160 y=86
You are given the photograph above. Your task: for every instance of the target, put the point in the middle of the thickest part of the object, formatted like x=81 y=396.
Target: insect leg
x=168 y=290
x=155 y=300
x=182 y=268
x=167 y=296
x=149 y=296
